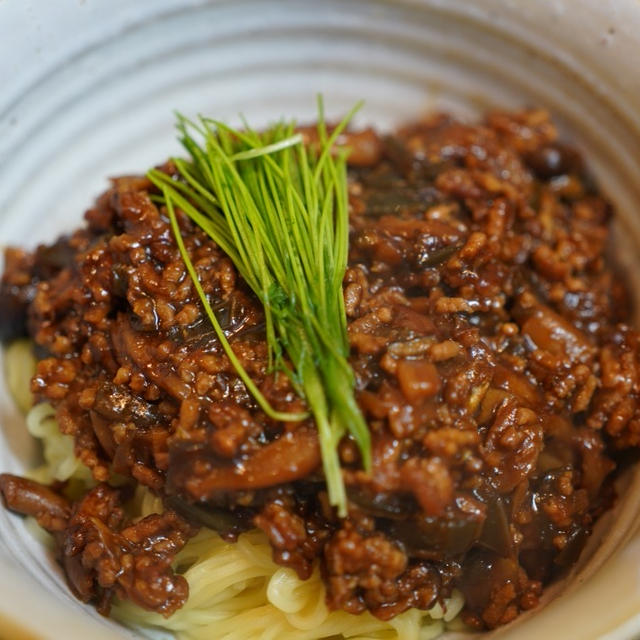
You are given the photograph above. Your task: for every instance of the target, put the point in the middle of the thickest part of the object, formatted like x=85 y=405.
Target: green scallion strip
x=279 y=209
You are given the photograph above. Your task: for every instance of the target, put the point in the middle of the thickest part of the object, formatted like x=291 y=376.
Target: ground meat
x=132 y=562
x=297 y=538
x=362 y=569
x=101 y=554
x=492 y=354
x=50 y=509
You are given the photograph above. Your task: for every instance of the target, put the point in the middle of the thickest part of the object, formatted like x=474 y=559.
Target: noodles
x=20 y=365
x=236 y=591
x=60 y=462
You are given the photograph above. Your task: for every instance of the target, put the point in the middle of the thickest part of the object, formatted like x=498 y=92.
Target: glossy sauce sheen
x=493 y=365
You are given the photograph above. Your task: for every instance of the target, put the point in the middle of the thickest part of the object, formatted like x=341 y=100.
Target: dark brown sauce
x=489 y=345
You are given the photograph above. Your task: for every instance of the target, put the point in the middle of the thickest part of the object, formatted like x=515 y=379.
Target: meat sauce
x=493 y=364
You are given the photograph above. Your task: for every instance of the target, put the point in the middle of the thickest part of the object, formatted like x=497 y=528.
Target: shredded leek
x=279 y=210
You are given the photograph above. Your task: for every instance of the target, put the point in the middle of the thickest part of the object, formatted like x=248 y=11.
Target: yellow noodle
x=20 y=366
x=236 y=591
x=60 y=462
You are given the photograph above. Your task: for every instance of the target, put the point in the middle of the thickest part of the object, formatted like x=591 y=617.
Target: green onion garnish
x=279 y=210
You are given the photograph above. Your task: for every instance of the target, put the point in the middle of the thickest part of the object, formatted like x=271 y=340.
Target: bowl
x=88 y=92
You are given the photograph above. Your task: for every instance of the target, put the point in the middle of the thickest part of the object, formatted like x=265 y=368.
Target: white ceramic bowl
x=88 y=90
